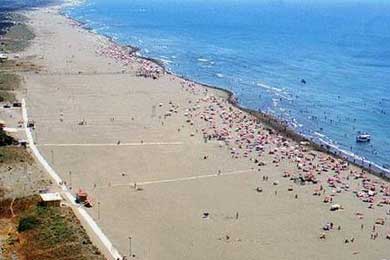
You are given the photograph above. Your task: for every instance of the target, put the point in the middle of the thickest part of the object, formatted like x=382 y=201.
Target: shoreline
x=157 y=151
x=273 y=122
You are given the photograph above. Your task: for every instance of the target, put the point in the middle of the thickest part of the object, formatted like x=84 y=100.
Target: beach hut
x=51 y=199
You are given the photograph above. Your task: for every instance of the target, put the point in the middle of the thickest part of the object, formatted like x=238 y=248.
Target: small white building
x=3 y=56
x=51 y=199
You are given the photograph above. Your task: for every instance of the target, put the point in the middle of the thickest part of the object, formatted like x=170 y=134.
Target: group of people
x=146 y=68
x=247 y=137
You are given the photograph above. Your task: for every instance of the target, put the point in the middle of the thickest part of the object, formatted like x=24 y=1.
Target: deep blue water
x=261 y=50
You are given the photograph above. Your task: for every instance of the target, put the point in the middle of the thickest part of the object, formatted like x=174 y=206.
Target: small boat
x=363 y=138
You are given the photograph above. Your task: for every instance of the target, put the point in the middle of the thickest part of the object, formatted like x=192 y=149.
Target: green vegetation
x=7 y=96
x=48 y=224
x=18 y=36
x=9 y=154
x=8 y=84
x=5 y=140
x=47 y=233
x=27 y=223
x=16 y=39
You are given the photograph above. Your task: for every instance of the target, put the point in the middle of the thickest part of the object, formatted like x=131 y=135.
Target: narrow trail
x=11 y=208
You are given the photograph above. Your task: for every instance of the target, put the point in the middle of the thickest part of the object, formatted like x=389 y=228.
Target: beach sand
x=157 y=154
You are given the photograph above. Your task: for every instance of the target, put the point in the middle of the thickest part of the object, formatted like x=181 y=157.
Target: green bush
x=27 y=223
x=5 y=139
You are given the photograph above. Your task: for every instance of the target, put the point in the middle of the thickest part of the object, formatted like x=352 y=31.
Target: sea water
x=322 y=65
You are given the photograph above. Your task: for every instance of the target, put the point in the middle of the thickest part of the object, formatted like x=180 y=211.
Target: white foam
x=203 y=60
x=269 y=87
x=166 y=61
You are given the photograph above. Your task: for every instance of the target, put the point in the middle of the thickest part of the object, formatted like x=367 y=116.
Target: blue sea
x=263 y=50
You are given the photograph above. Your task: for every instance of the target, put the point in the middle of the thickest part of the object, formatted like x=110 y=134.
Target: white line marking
x=186 y=178
x=88 y=219
x=108 y=144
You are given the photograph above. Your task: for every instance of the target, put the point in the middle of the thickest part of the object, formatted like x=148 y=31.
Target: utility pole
x=52 y=157
x=70 y=179
x=98 y=208
x=130 y=249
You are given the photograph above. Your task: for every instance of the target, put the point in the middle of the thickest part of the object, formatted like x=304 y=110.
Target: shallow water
x=261 y=50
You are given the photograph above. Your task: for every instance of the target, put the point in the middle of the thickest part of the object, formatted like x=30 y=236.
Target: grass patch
x=6 y=96
x=9 y=82
x=17 y=38
x=14 y=155
x=48 y=224
x=45 y=233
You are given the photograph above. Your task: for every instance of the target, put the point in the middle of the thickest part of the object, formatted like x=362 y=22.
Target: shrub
x=27 y=223
x=5 y=139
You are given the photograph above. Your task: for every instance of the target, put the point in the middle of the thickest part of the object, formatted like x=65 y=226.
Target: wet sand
x=157 y=154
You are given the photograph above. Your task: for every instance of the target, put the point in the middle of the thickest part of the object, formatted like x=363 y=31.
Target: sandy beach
x=181 y=171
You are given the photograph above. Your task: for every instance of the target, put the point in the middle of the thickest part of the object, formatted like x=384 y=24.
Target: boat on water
x=363 y=138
